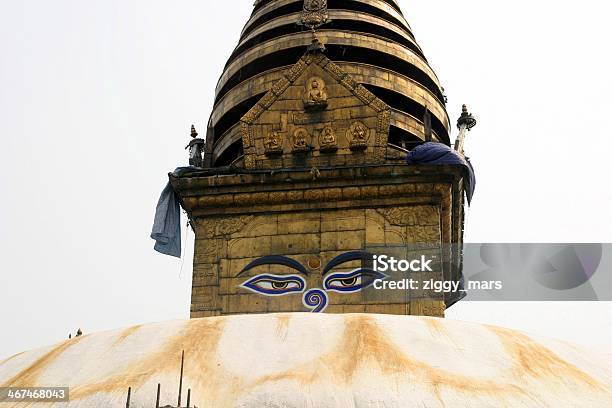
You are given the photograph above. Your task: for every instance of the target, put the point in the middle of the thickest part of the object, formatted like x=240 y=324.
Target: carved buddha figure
x=316 y=95
x=273 y=143
x=300 y=142
x=328 y=136
x=358 y=135
x=328 y=140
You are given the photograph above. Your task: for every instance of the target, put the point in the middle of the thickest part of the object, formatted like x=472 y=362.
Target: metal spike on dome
x=180 y=394
x=129 y=397
x=158 y=395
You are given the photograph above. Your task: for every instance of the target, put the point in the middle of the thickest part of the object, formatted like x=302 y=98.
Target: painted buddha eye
x=354 y=281
x=280 y=285
x=275 y=285
x=350 y=282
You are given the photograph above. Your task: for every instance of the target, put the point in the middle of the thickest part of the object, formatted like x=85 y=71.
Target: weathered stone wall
x=313 y=222
x=312 y=238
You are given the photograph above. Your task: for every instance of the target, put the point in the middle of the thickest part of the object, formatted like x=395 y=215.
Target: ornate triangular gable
x=316 y=115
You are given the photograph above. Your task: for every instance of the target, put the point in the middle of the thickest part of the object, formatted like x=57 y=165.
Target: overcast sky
x=96 y=101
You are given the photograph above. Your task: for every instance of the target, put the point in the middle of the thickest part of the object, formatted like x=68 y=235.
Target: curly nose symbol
x=315 y=299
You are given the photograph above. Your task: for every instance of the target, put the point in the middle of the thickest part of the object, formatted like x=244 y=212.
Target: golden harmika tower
x=305 y=164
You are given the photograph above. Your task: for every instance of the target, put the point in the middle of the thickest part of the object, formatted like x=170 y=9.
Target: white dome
x=318 y=360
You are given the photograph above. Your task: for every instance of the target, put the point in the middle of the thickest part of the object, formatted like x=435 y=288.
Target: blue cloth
x=439 y=154
x=167 y=223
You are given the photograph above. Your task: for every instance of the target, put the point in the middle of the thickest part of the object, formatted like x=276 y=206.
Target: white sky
x=96 y=101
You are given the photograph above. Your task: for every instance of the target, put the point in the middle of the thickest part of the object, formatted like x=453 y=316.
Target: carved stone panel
x=327 y=140
x=315 y=95
x=358 y=135
x=320 y=113
x=411 y=216
x=273 y=144
x=301 y=140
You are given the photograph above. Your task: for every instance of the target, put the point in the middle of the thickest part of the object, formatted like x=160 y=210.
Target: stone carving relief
x=315 y=95
x=409 y=216
x=314 y=113
x=327 y=140
x=301 y=141
x=358 y=135
x=273 y=144
x=208 y=252
x=218 y=227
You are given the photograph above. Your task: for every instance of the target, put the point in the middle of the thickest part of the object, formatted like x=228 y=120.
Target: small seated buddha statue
x=315 y=97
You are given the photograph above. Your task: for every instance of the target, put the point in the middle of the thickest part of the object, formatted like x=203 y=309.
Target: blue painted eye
x=354 y=281
x=275 y=285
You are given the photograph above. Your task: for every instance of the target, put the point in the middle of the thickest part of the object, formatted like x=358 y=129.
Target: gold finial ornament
x=314 y=14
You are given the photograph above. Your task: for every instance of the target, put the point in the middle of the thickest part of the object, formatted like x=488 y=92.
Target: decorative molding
x=245 y=130
x=295 y=71
x=280 y=86
x=382 y=136
x=314 y=195
x=363 y=94
x=267 y=100
x=411 y=216
x=213 y=228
